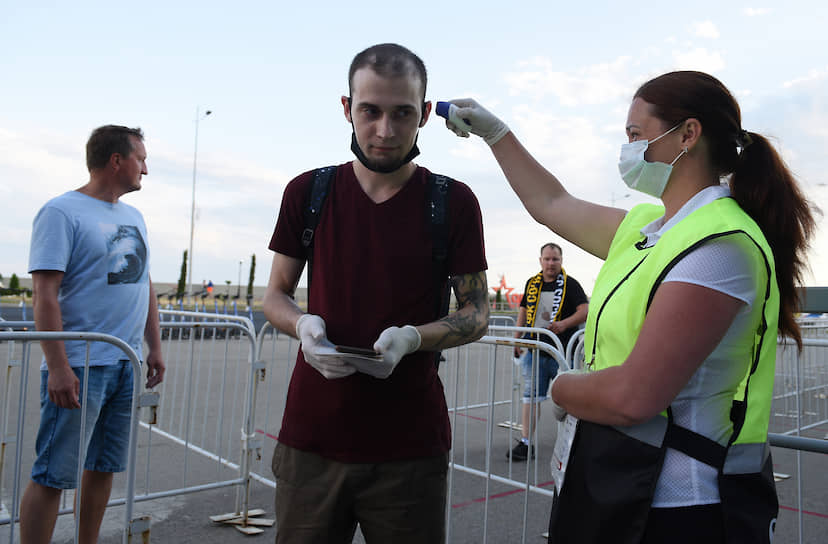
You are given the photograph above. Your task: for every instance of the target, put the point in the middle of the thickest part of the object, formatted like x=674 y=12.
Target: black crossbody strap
x=695 y=445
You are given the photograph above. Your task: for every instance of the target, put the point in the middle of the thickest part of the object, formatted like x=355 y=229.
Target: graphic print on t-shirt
x=126 y=253
x=545 y=305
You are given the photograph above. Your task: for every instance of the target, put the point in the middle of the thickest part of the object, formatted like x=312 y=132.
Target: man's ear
x=346 y=105
x=115 y=161
x=426 y=113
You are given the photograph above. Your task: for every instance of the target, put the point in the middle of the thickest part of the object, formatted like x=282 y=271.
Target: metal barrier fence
x=800 y=400
x=202 y=418
x=221 y=378
x=483 y=457
x=800 y=405
x=21 y=359
x=207 y=409
x=506 y=320
x=814 y=326
x=482 y=385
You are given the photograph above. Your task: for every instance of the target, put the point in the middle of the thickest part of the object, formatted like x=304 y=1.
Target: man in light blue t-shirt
x=89 y=262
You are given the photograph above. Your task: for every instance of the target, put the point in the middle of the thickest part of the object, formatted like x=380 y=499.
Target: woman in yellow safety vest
x=668 y=423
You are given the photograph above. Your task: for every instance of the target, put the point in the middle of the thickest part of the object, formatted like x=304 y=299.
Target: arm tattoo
x=472 y=289
x=471 y=319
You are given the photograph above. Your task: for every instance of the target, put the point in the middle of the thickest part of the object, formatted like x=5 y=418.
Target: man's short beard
x=374 y=166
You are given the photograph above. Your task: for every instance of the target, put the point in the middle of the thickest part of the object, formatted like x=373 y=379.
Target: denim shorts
x=107 y=427
x=547 y=368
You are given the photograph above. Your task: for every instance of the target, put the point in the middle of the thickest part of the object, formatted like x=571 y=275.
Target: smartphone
x=358 y=351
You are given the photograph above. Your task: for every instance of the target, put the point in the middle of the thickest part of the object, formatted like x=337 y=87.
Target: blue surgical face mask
x=647 y=177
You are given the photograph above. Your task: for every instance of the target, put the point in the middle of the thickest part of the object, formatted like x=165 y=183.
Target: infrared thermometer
x=448 y=111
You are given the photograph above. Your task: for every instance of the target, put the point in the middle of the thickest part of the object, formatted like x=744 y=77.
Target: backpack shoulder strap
x=317 y=195
x=437 y=210
x=436 y=216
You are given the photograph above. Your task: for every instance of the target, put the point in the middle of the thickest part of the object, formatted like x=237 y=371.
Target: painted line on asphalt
x=473 y=417
x=545 y=484
x=267 y=434
x=817 y=514
x=497 y=496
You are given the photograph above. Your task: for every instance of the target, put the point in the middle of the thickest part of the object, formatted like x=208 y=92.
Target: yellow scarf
x=533 y=295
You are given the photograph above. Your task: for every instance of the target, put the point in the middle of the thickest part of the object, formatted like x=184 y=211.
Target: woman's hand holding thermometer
x=464 y=116
x=448 y=111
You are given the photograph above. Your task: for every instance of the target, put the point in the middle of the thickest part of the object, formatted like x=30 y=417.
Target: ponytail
x=766 y=190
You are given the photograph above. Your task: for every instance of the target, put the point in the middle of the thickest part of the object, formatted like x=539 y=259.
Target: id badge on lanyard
x=563 y=445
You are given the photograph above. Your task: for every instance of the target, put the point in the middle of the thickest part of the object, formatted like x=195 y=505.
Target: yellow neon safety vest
x=625 y=287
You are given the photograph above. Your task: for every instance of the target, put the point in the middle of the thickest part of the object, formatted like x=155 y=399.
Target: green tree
x=252 y=274
x=14 y=282
x=182 y=278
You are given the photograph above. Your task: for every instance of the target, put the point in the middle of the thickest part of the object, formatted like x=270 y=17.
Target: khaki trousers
x=320 y=501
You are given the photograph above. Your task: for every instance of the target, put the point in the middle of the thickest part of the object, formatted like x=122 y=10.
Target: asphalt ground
x=215 y=397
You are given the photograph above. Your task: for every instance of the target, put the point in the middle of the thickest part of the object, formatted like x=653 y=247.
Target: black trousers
x=685 y=525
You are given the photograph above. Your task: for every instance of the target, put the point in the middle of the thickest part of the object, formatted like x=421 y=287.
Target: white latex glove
x=558 y=411
x=471 y=117
x=311 y=332
x=393 y=344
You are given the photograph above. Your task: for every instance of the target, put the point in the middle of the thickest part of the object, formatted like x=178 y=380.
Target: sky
x=561 y=75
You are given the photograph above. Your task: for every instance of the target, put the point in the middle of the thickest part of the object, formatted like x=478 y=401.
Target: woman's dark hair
x=760 y=181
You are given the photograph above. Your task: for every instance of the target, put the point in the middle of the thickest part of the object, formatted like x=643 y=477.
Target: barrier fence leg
x=5 y=438
x=139 y=527
x=244 y=519
x=148 y=399
x=18 y=438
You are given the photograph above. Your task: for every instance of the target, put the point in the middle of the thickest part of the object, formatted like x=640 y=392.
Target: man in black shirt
x=557 y=302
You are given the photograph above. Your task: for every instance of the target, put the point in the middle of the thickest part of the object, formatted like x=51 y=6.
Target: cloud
x=35 y=166
x=706 y=29
x=54 y=161
x=581 y=150
x=700 y=59
x=469 y=152
x=237 y=200
x=596 y=84
x=813 y=76
x=795 y=117
x=516 y=238
x=568 y=144
x=756 y=12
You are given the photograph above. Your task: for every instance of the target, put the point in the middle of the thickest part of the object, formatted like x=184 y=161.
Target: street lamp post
x=238 y=290
x=192 y=205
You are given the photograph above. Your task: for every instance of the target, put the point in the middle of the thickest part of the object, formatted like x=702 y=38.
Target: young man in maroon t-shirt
x=365 y=440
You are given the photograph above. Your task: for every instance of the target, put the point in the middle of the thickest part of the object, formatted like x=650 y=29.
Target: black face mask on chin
x=384 y=169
